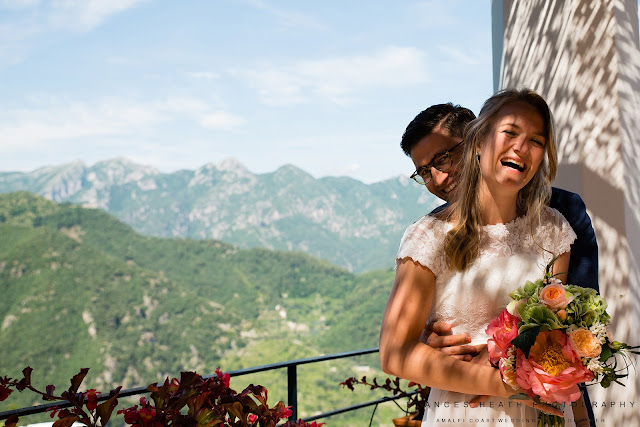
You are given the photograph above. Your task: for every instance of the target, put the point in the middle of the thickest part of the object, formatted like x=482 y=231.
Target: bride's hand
x=476 y=401
x=509 y=391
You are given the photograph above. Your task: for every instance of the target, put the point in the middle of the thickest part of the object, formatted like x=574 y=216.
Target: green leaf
x=547 y=270
x=525 y=340
x=606 y=352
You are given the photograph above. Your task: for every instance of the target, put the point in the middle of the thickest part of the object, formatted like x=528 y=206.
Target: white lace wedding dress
x=468 y=300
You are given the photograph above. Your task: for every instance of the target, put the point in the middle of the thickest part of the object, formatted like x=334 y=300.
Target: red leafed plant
x=84 y=405
x=191 y=401
x=416 y=398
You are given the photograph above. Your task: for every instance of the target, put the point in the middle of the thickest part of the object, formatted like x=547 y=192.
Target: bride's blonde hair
x=462 y=243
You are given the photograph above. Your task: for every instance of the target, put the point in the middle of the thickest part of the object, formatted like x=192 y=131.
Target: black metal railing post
x=292 y=391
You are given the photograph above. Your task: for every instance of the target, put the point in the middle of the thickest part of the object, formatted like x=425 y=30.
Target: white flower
x=600 y=331
x=594 y=365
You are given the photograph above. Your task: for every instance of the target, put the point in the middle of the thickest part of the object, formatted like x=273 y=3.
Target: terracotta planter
x=407 y=421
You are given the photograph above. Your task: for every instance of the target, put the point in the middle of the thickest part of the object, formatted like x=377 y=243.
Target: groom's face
x=435 y=144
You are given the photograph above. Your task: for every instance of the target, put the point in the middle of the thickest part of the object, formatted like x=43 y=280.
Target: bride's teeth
x=518 y=165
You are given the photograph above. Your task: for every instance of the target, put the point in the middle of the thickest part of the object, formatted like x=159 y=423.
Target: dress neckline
x=490 y=227
x=514 y=222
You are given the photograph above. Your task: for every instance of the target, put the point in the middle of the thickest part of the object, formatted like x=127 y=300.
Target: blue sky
x=327 y=86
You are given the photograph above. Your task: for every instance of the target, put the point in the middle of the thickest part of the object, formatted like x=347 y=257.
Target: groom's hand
x=439 y=336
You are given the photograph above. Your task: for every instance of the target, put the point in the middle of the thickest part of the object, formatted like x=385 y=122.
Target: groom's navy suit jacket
x=583 y=264
x=583 y=267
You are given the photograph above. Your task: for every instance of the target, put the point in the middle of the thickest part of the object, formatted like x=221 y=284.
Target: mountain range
x=349 y=223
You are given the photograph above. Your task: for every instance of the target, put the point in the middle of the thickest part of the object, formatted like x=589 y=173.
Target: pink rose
x=553 y=370
x=554 y=296
x=501 y=330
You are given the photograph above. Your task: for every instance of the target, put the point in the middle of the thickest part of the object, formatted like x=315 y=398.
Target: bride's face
x=514 y=148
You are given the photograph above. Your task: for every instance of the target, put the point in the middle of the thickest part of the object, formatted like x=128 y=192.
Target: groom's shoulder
x=564 y=200
x=438 y=209
x=572 y=207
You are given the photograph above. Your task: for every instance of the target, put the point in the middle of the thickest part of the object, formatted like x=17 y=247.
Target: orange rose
x=584 y=343
x=554 y=296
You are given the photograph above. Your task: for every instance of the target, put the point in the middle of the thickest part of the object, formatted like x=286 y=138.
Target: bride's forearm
x=424 y=365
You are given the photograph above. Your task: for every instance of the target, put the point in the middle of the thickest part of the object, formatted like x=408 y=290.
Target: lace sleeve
x=423 y=243
x=555 y=232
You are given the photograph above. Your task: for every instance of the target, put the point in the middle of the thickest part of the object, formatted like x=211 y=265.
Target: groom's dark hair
x=450 y=117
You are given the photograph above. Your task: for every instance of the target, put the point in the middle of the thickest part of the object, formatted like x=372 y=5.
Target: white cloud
x=203 y=113
x=221 y=120
x=19 y=4
x=27 y=20
x=12 y=40
x=338 y=80
x=186 y=105
x=84 y=15
x=32 y=128
x=439 y=14
x=289 y=18
x=279 y=87
x=349 y=169
x=206 y=75
x=458 y=56
x=56 y=120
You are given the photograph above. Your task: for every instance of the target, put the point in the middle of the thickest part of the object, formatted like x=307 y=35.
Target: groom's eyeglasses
x=442 y=162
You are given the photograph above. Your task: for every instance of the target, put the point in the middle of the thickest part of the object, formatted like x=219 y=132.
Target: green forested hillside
x=81 y=289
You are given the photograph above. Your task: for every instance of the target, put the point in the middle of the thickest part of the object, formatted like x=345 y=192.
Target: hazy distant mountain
x=340 y=219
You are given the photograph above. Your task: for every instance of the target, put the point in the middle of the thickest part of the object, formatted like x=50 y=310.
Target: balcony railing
x=292 y=387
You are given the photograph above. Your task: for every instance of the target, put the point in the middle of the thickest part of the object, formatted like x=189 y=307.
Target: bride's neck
x=497 y=208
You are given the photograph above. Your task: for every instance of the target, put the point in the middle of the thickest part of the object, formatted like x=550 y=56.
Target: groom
x=434 y=138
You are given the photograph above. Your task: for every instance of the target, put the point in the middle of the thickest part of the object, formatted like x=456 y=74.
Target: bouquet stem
x=548 y=420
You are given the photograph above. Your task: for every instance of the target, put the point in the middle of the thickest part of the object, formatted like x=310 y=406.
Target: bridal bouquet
x=552 y=337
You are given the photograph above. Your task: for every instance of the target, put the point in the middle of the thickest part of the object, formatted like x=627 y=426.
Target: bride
x=459 y=265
